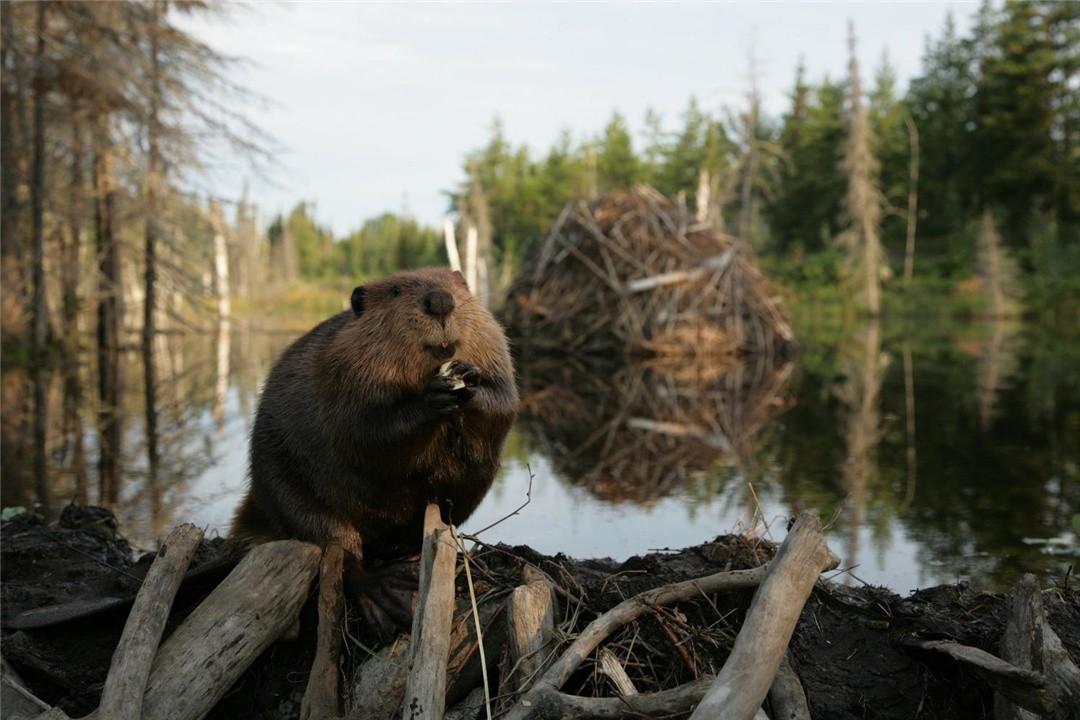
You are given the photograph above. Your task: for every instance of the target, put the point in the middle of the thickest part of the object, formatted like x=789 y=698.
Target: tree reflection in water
x=997 y=443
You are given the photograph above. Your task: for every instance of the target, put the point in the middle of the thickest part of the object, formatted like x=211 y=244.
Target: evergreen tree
x=804 y=215
x=617 y=166
x=1020 y=88
x=941 y=107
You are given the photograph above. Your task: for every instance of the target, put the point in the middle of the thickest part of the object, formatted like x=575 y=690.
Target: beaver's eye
x=395 y=291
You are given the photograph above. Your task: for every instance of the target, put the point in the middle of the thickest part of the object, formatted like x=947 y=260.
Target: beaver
x=357 y=430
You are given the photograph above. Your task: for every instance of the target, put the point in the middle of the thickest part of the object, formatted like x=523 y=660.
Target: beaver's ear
x=460 y=279
x=358 y=299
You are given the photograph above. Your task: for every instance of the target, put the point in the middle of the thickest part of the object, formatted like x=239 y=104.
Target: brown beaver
x=356 y=430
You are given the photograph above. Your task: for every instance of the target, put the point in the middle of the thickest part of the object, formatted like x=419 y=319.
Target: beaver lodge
x=633 y=274
x=657 y=350
x=633 y=315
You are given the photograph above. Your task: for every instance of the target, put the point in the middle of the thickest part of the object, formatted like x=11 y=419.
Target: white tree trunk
x=451 y=246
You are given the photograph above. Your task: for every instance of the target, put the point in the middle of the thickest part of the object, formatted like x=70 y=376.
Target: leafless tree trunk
x=992 y=264
x=865 y=367
x=11 y=247
x=109 y=312
x=154 y=172
x=40 y=312
x=750 y=170
x=912 y=198
x=704 y=186
x=864 y=196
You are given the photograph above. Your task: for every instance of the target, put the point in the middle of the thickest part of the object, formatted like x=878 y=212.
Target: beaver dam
x=736 y=628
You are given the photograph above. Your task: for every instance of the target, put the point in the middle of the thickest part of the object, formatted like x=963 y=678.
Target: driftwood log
x=15 y=699
x=425 y=689
x=250 y=609
x=786 y=696
x=122 y=697
x=321 y=696
x=785 y=584
x=531 y=619
x=762 y=642
x=379 y=684
x=1035 y=677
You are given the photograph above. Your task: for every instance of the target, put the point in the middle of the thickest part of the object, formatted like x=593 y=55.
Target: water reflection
x=648 y=430
x=933 y=452
x=863 y=366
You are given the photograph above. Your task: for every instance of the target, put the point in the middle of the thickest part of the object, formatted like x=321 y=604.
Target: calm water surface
x=934 y=453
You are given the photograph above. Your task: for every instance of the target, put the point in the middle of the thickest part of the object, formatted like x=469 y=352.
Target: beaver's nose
x=437 y=303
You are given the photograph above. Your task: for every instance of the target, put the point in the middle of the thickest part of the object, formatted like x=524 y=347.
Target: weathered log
x=1024 y=687
x=613 y=669
x=762 y=642
x=549 y=703
x=379 y=684
x=711 y=265
x=1037 y=677
x=786 y=696
x=248 y=611
x=544 y=691
x=122 y=697
x=15 y=699
x=531 y=620
x=53 y=714
x=425 y=689
x=469 y=708
x=321 y=696
x=464 y=670
x=1030 y=643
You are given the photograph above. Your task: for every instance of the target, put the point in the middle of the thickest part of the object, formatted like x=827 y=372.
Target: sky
x=372 y=107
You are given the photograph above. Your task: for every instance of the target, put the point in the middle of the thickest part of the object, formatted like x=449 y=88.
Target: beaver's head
x=408 y=324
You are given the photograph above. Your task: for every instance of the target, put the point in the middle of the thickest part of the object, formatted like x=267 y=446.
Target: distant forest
x=967 y=181
x=989 y=130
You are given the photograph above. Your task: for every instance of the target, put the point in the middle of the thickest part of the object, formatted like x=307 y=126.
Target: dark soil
x=847 y=648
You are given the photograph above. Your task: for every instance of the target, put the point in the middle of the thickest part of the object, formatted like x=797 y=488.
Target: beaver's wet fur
x=356 y=432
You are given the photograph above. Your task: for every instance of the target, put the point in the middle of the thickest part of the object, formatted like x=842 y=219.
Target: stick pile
x=525 y=638
x=634 y=274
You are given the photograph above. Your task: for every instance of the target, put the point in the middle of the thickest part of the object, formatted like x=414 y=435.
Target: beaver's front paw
x=452 y=388
x=442 y=400
x=460 y=375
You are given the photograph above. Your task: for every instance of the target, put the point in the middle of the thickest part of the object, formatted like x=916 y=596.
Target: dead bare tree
x=864 y=201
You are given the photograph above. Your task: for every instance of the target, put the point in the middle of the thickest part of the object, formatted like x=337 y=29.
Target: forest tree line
x=970 y=174
x=988 y=131
x=110 y=109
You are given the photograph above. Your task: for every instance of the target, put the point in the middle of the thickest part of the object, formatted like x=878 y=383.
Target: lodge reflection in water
x=649 y=429
x=964 y=445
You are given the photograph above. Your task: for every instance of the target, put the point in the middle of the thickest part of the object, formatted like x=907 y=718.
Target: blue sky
x=374 y=105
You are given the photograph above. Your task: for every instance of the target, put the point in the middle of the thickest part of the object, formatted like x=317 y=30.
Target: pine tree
x=617 y=166
x=942 y=109
x=1016 y=166
x=804 y=214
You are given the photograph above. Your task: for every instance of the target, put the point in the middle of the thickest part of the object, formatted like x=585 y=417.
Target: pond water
x=933 y=452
